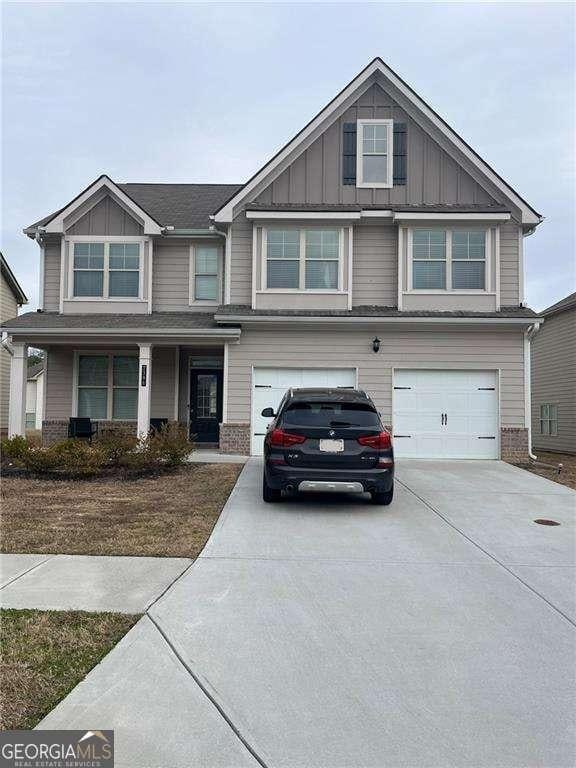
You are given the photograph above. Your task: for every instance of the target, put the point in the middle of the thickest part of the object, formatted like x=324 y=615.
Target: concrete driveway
x=329 y=633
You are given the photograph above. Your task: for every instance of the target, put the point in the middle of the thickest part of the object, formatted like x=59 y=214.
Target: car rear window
x=330 y=414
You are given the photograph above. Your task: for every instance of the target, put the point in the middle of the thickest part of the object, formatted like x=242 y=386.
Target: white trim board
x=327 y=115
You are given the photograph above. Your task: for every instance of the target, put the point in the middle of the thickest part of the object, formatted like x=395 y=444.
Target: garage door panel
x=447 y=414
x=271 y=384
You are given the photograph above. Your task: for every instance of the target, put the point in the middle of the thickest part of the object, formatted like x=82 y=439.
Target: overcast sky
x=182 y=92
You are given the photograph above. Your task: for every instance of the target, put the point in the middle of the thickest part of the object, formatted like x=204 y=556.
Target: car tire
x=382 y=497
x=269 y=495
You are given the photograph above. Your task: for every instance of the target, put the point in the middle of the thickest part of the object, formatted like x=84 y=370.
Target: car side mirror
x=268 y=413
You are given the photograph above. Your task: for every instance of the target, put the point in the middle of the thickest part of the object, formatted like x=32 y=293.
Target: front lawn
x=47 y=653
x=566 y=477
x=170 y=514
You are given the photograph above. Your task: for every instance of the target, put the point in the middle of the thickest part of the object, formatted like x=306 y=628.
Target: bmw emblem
x=331 y=433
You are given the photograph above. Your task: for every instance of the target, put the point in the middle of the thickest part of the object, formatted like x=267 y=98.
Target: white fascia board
x=151 y=227
x=451 y=216
x=284 y=215
x=137 y=332
x=374 y=214
x=529 y=217
x=359 y=320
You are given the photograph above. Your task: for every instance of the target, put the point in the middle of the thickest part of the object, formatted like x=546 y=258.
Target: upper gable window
x=104 y=270
x=374 y=153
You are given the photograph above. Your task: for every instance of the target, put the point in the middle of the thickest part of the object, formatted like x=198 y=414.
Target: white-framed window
x=448 y=259
x=106 y=269
x=302 y=259
x=205 y=274
x=548 y=419
x=374 y=158
x=107 y=386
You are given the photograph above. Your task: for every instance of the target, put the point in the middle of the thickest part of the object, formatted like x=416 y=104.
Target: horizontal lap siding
x=9 y=308
x=163 y=383
x=509 y=274
x=171 y=276
x=419 y=349
x=60 y=366
x=554 y=380
x=52 y=276
x=241 y=263
x=375 y=266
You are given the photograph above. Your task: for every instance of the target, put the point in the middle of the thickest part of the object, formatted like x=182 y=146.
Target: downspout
x=7 y=344
x=226 y=269
x=528 y=336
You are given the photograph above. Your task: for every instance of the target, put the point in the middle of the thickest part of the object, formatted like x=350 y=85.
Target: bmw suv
x=327 y=440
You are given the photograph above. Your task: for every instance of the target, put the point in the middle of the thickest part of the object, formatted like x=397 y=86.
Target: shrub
x=14 y=450
x=77 y=458
x=117 y=445
x=169 y=446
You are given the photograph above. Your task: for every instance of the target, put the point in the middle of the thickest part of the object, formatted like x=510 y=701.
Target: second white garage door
x=270 y=384
x=446 y=414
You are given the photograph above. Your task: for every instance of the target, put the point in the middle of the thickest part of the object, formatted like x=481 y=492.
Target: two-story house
x=376 y=249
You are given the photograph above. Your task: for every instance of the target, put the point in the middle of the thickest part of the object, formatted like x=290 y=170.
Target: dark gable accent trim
x=400 y=155
x=349 y=153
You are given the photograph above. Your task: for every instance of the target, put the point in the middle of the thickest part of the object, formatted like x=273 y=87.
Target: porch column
x=144 y=389
x=18 y=378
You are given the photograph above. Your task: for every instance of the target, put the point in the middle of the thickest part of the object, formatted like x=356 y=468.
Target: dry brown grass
x=168 y=515
x=45 y=654
x=566 y=477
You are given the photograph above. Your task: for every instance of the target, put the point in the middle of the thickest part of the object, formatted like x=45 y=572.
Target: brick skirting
x=235 y=438
x=513 y=444
x=54 y=430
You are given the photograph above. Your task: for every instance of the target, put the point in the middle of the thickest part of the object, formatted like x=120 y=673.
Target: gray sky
x=182 y=92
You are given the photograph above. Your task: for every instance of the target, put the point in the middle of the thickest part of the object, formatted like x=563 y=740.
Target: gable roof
x=15 y=287
x=568 y=302
x=35 y=370
x=182 y=206
x=302 y=139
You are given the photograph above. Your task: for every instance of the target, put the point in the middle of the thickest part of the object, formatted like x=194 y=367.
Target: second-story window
x=206 y=285
x=302 y=259
x=105 y=270
x=449 y=259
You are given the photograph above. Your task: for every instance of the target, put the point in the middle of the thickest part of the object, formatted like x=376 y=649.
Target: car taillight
x=280 y=439
x=380 y=441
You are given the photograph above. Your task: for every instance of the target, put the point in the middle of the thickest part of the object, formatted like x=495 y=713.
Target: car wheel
x=384 y=497
x=269 y=494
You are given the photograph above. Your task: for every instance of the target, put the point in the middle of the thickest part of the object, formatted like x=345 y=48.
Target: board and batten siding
x=375 y=266
x=433 y=176
x=9 y=307
x=106 y=218
x=429 y=348
x=59 y=381
x=554 y=380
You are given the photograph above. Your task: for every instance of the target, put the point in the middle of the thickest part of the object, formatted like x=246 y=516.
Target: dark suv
x=327 y=440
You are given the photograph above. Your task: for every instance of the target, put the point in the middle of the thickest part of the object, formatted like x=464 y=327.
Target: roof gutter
x=192 y=333
x=379 y=319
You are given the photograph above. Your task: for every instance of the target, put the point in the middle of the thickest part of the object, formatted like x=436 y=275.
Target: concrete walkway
x=329 y=633
x=86 y=583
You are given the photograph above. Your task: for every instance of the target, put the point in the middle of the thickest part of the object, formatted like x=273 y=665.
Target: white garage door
x=446 y=414
x=270 y=384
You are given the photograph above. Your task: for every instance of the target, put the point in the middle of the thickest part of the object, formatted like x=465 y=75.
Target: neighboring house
x=554 y=379
x=11 y=297
x=376 y=249
x=35 y=396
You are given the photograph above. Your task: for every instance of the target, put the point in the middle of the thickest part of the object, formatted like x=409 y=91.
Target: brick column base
x=55 y=430
x=514 y=444
x=235 y=438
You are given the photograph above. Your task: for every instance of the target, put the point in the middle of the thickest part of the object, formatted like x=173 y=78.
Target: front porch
x=126 y=382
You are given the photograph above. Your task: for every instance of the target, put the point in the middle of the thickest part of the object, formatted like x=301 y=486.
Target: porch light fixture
x=376 y=344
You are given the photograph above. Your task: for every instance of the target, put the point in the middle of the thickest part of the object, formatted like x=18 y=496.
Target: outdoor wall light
x=376 y=344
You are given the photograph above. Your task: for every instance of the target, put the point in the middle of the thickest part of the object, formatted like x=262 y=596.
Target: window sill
x=363 y=185
x=448 y=292
x=103 y=300
x=305 y=292
x=200 y=303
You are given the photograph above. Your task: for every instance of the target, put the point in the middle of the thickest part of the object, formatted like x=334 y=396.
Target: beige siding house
x=11 y=297
x=554 y=379
x=375 y=250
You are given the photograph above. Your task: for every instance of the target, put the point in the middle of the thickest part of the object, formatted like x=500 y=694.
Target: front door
x=205 y=404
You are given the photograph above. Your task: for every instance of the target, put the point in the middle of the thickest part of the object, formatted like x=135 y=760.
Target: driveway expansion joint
x=486 y=552
x=32 y=568
x=206 y=692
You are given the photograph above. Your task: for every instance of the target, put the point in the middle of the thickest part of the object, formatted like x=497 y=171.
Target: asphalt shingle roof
x=566 y=303
x=421 y=208
x=369 y=311
x=157 y=320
